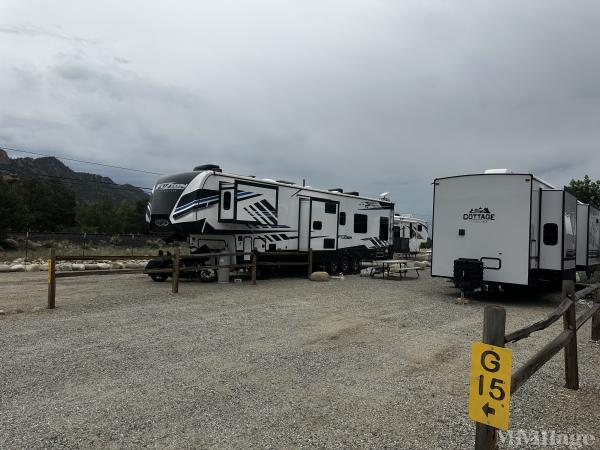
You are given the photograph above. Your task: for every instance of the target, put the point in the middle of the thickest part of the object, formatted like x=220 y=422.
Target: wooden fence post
x=570 y=323
x=596 y=320
x=52 y=279
x=176 y=271
x=494 y=330
x=310 y=262
x=253 y=269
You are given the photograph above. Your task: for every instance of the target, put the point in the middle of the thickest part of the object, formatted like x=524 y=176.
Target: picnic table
x=385 y=266
x=391 y=265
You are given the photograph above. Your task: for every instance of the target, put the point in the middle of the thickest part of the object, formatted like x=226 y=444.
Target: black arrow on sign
x=487 y=409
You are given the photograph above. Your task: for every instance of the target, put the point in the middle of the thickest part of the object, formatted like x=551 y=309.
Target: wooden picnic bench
x=384 y=267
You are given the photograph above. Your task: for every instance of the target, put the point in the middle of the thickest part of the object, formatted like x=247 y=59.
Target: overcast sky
x=372 y=96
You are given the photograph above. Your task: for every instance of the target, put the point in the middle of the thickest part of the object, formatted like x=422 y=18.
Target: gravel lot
x=288 y=363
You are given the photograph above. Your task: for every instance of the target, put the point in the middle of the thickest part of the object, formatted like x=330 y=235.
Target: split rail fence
x=494 y=333
x=175 y=271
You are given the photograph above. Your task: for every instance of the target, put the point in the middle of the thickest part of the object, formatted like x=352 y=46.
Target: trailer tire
x=356 y=260
x=334 y=266
x=207 y=275
x=159 y=277
x=346 y=264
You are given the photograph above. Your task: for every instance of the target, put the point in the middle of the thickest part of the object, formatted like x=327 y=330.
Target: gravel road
x=289 y=363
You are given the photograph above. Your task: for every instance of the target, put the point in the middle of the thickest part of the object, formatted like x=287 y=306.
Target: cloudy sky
x=379 y=95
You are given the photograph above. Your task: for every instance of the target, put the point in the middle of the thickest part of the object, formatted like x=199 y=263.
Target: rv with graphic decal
x=217 y=211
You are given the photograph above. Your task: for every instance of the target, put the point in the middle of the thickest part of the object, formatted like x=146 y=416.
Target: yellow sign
x=489 y=387
x=49 y=271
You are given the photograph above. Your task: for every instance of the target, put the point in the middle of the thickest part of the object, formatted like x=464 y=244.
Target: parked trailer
x=409 y=233
x=219 y=211
x=588 y=238
x=502 y=228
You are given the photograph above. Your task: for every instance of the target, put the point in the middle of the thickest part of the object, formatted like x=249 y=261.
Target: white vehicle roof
x=499 y=172
x=409 y=218
x=298 y=186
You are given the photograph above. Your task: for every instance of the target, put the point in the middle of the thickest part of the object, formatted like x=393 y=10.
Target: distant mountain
x=88 y=187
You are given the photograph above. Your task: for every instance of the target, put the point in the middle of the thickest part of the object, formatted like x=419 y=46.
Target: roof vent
x=353 y=193
x=492 y=171
x=202 y=167
x=340 y=190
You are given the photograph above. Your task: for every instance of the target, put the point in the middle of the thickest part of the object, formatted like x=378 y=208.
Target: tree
x=49 y=205
x=586 y=190
x=133 y=216
x=106 y=217
x=12 y=208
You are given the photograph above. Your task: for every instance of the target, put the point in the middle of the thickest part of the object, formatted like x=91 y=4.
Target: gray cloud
x=375 y=96
x=33 y=31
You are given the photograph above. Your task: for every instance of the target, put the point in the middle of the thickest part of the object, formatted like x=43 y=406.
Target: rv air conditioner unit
x=202 y=167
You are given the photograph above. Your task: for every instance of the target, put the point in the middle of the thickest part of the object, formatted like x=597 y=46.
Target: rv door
x=558 y=229
x=303 y=224
x=323 y=224
x=247 y=247
x=226 y=201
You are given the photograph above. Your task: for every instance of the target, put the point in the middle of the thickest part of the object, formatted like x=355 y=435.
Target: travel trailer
x=502 y=228
x=217 y=211
x=588 y=238
x=409 y=233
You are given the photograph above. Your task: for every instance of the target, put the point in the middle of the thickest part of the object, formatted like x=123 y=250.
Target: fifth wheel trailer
x=218 y=211
x=588 y=238
x=502 y=228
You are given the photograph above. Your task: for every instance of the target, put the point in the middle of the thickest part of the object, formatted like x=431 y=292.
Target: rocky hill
x=88 y=187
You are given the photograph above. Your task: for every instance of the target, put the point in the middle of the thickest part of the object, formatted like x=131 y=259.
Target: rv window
x=328 y=243
x=384 y=225
x=317 y=225
x=330 y=208
x=419 y=227
x=227 y=200
x=360 y=223
x=342 y=218
x=550 y=234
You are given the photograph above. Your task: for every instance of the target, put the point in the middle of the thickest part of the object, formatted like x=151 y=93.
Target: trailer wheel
x=208 y=275
x=346 y=264
x=356 y=260
x=334 y=266
x=159 y=277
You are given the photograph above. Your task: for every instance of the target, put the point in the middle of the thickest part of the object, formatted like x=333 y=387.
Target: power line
x=79 y=161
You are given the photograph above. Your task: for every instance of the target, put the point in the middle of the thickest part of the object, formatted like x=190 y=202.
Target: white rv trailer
x=501 y=228
x=588 y=237
x=410 y=231
x=220 y=211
